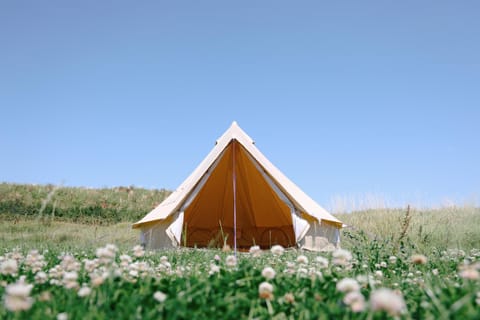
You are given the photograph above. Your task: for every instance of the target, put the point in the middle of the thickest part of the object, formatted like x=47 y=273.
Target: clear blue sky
x=345 y=97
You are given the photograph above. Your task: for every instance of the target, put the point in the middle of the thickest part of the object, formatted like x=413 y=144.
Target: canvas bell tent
x=238 y=197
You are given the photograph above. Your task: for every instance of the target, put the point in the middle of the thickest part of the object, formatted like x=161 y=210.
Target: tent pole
x=234 y=181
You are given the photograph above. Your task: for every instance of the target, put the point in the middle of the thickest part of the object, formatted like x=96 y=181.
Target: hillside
x=85 y=205
x=451 y=227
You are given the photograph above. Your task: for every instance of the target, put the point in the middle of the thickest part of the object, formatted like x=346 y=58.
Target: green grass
x=94 y=206
x=450 y=227
x=438 y=289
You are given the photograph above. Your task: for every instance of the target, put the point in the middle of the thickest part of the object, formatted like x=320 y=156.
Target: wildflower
x=96 y=279
x=84 y=291
x=160 y=296
x=387 y=300
x=231 y=261
x=470 y=274
x=435 y=272
x=348 y=285
x=355 y=300
x=268 y=273
x=163 y=259
x=125 y=260
x=69 y=263
x=217 y=258
x=104 y=255
x=90 y=265
x=341 y=257
x=265 y=291
x=378 y=273
x=17 y=296
x=277 y=250
x=302 y=272
x=35 y=261
x=289 y=297
x=213 y=269
x=392 y=259
x=70 y=280
x=383 y=264
x=302 y=259
x=41 y=277
x=45 y=296
x=9 y=267
x=418 y=259
x=62 y=316
x=255 y=251
x=138 y=251
x=322 y=262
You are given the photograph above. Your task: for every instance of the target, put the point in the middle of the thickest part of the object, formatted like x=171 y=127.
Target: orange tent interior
x=262 y=218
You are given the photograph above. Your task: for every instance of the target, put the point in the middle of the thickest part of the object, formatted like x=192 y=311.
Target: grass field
x=416 y=264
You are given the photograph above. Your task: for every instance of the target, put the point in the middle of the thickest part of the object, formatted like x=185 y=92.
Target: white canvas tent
x=237 y=196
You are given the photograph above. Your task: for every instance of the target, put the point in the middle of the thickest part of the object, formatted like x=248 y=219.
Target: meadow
x=62 y=257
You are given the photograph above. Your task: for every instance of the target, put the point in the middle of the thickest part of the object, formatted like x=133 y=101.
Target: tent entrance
x=262 y=217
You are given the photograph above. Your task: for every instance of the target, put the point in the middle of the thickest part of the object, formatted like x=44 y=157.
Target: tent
x=236 y=196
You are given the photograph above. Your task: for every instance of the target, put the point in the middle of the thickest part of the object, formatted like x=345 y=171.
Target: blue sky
x=348 y=98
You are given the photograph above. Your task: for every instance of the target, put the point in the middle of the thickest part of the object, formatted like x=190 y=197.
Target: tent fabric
x=270 y=209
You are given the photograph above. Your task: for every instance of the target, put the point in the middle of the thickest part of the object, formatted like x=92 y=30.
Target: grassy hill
x=84 y=205
x=46 y=214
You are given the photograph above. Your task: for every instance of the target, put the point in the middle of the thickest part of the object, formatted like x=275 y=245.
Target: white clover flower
x=255 y=251
x=362 y=279
x=62 y=316
x=302 y=272
x=289 y=297
x=84 y=291
x=17 y=296
x=383 y=264
x=435 y=272
x=104 y=255
x=378 y=273
x=355 y=300
x=70 y=280
x=41 y=277
x=277 y=250
x=160 y=296
x=69 y=263
x=214 y=269
x=133 y=273
x=392 y=259
x=470 y=274
x=265 y=291
x=125 y=260
x=341 y=257
x=35 y=261
x=302 y=259
x=268 y=273
x=9 y=267
x=217 y=258
x=112 y=248
x=387 y=300
x=15 y=254
x=231 y=261
x=418 y=259
x=348 y=285
x=90 y=265
x=163 y=259
x=138 y=251
x=322 y=262
x=96 y=279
